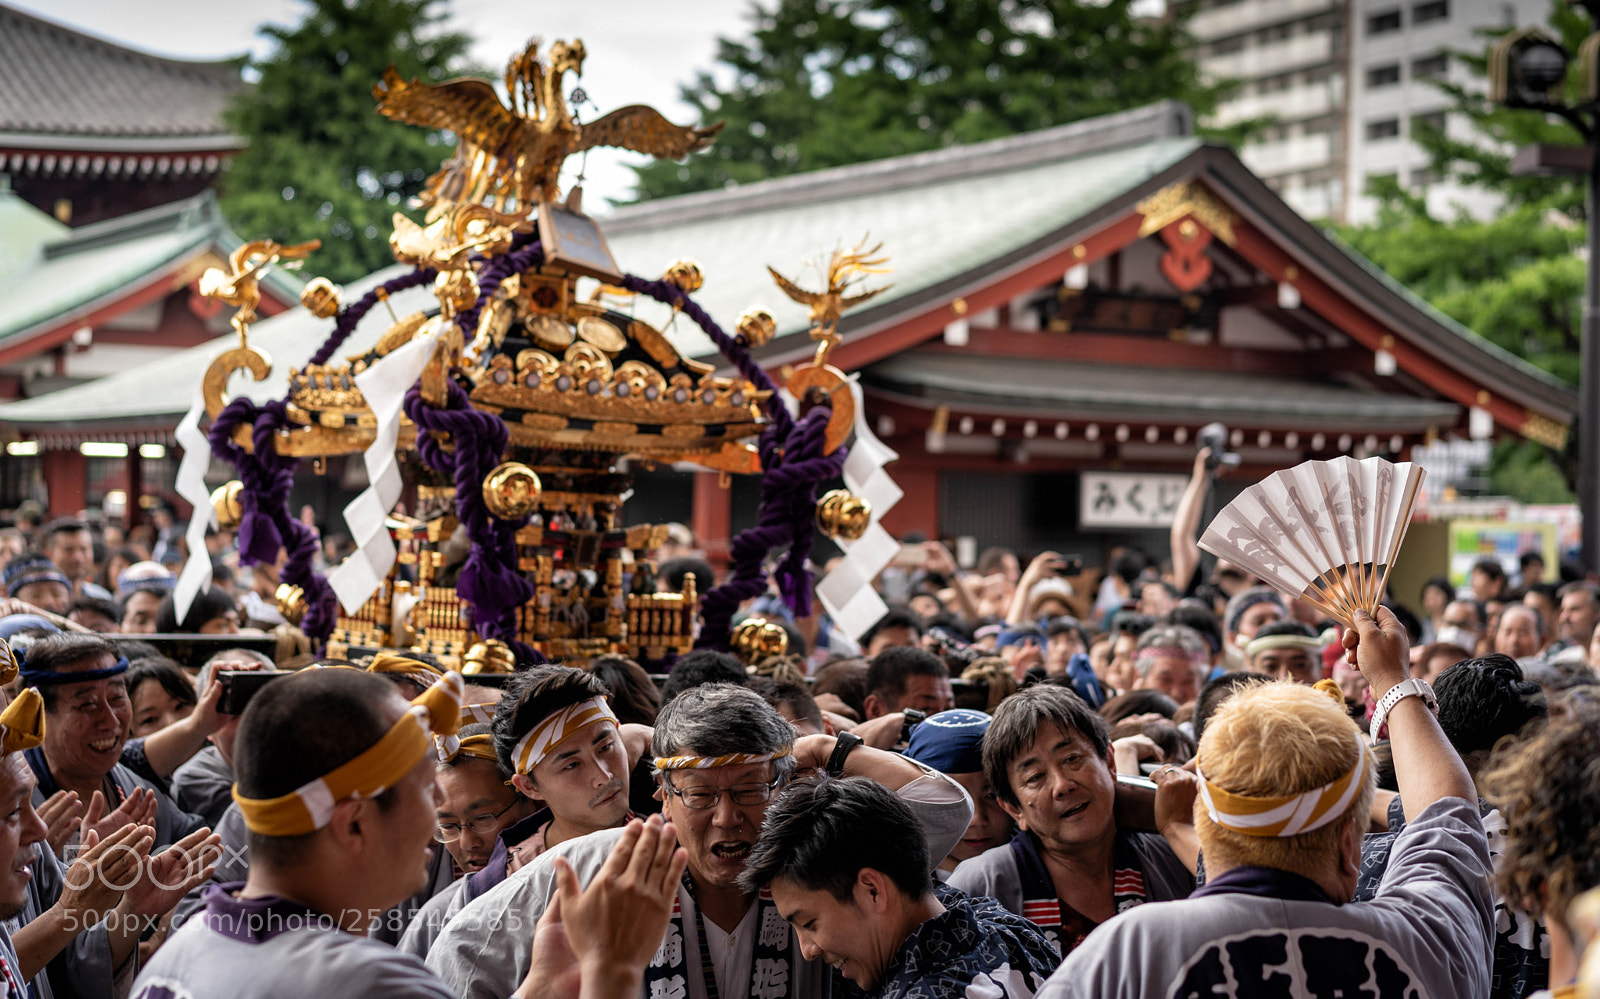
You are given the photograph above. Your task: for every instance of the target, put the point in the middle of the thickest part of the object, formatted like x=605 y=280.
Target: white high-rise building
x=1346 y=81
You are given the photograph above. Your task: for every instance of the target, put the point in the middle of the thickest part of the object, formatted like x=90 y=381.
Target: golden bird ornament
x=512 y=155
x=845 y=269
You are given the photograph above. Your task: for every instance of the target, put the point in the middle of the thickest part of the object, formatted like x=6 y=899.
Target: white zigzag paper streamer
x=847 y=591
x=384 y=386
x=191 y=485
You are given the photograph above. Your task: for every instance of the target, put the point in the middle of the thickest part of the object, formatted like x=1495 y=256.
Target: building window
x=1432 y=10
x=1227 y=46
x=1383 y=128
x=1382 y=24
x=1277 y=33
x=1435 y=120
x=1276 y=84
x=1325 y=125
x=1383 y=76
x=1424 y=177
x=1430 y=67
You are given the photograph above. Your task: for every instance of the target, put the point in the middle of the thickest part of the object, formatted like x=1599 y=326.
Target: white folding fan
x=1326 y=532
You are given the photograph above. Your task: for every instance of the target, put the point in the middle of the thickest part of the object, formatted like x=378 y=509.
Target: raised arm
x=1425 y=764
x=1186 y=521
x=941 y=561
x=171 y=747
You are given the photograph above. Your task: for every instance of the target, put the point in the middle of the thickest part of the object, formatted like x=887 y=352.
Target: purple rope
x=489 y=583
x=788 y=498
x=525 y=252
x=794 y=463
x=266 y=525
x=352 y=314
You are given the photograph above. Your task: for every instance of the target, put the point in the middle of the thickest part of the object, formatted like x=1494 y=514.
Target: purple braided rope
x=489 y=582
x=525 y=252
x=352 y=314
x=266 y=526
x=788 y=497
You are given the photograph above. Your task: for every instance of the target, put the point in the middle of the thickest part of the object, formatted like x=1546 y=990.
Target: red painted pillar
x=713 y=517
x=918 y=509
x=65 y=480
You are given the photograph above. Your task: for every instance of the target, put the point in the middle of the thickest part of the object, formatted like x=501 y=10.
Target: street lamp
x=1528 y=69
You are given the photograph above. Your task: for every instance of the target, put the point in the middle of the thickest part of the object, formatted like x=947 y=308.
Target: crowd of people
x=1024 y=779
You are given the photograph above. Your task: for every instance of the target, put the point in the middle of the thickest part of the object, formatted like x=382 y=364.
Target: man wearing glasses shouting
x=721 y=753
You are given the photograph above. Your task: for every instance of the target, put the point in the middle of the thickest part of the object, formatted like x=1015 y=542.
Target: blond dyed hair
x=1272 y=740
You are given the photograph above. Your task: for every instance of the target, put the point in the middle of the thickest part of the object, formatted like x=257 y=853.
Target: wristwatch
x=913 y=718
x=1397 y=693
x=845 y=742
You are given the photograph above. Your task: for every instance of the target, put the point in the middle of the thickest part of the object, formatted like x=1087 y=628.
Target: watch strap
x=1399 y=692
x=843 y=744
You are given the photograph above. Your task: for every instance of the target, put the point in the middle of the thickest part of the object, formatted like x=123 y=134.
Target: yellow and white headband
x=22 y=722
x=1290 y=815
x=449 y=746
x=415 y=670
x=477 y=713
x=478 y=747
x=544 y=737
x=1314 y=646
x=725 y=760
x=436 y=713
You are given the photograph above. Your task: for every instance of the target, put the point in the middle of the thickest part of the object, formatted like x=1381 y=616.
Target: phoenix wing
x=468 y=107
x=855 y=300
x=645 y=130
x=793 y=290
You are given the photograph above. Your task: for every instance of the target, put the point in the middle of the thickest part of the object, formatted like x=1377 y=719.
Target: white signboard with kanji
x=1129 y=499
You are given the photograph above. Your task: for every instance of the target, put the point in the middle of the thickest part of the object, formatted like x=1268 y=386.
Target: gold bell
x=8 y=662
x=841 y=515
x=491 y=656
x=757 y=327
x=511 y=490
x=227 y=505
x=291 y=601
x=685 y=276
x=756 y=639
x=321 y=297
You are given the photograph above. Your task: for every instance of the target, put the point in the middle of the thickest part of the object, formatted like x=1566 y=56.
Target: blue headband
x=50 y=678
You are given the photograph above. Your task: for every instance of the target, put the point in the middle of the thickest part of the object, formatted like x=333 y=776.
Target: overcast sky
x=639 y=51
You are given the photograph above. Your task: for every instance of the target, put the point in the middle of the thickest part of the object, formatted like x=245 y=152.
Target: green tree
x=820 y=83
x=321 y=163
x=1516 y=278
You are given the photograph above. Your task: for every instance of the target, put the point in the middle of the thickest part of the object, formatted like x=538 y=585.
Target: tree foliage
x=321 y=163
x=820 y=83
x=1516 y=278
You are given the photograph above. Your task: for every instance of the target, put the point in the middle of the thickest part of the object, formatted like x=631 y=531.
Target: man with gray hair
x=1171 y=659
x=721 y=753
x=204 y=784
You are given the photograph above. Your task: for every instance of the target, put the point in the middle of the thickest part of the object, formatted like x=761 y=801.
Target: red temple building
x=107 y=220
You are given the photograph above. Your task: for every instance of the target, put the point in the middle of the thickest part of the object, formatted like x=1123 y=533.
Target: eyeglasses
x=702 y=796
x=478 y=825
